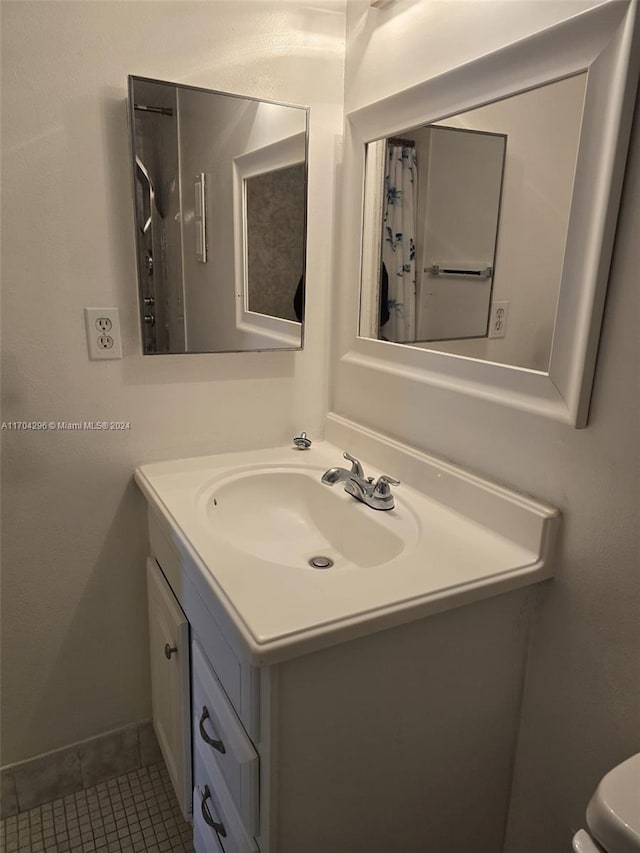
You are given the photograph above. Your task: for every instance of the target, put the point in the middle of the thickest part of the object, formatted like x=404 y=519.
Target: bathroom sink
x=245 y=526
x=287 y=516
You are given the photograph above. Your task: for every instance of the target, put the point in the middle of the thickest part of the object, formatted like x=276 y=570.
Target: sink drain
x=320 y=563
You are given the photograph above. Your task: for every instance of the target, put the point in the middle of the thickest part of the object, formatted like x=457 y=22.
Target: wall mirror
x=443 y=273
x=519 y=326
x=220 y=200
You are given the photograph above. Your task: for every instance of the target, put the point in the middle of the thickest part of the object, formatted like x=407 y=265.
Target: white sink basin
x=246 y=524
x=287 y=516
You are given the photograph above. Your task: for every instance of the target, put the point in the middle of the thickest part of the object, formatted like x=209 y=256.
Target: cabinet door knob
x=206 y=814
x=216 y=744
x=169 y=650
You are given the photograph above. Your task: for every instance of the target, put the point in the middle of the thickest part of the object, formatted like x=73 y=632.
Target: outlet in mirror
x=220 y=199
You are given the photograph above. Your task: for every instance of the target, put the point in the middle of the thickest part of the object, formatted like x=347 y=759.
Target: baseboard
x=48 y=777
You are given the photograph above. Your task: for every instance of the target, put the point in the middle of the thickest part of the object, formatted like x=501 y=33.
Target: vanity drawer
x=223 y=741
x=204 y=839
x=215 y=814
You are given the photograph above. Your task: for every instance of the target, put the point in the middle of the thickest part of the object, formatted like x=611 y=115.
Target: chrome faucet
x=377 y=495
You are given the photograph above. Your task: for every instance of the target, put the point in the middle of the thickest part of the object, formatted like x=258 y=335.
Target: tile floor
x=132 y=813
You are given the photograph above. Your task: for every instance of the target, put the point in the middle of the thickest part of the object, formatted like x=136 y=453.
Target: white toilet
x=613 y=814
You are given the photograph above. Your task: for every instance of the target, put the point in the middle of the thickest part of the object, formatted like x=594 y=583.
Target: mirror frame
x=604 y=42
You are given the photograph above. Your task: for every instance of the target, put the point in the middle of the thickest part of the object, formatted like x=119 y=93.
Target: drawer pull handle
x=216 y=744
x=206 y=814
x=168 y=651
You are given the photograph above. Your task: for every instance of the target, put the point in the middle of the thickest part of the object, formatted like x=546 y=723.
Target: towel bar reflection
x=437 y=270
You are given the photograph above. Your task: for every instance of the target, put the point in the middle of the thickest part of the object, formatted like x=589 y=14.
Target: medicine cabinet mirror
x=220 y=199
x=489 y=280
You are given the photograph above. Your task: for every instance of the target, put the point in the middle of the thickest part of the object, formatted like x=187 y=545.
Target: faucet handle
x=302 y=441
x=381 y=488
x=356 y=467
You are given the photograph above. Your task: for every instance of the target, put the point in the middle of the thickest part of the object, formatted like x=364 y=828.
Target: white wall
x=582 y=700
x=74 y=647
x=582 y=704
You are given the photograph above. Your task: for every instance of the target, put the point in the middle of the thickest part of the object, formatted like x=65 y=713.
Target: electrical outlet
x=498 y=319
x=103 y=333
x=104 y=324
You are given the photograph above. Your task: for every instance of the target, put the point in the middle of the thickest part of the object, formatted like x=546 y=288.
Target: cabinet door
x=169 y=647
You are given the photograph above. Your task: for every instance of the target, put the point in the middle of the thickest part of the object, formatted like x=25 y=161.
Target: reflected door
x=459 y=194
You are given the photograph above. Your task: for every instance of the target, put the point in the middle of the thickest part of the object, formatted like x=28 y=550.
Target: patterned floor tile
x=133 y=813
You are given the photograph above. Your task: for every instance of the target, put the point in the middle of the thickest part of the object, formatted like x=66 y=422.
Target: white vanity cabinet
x=381 y=743
x=369 y=707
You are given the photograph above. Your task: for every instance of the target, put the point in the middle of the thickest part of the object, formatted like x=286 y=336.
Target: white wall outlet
x=103 y=333
x=498 y=319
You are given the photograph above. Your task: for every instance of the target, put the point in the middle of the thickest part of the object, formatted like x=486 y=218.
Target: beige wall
x=582 y=700
x=75 y=661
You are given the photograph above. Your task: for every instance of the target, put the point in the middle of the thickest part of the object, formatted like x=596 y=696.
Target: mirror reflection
x=220 y=211
x=275 y=212
x=465 y=227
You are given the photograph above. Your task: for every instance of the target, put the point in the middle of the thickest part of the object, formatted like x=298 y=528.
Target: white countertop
x=454 y=557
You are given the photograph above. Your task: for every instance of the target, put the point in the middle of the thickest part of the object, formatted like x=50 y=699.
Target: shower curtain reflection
x=399 y=242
